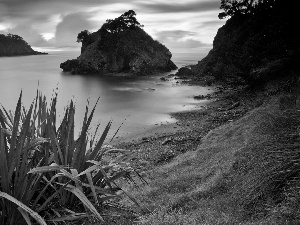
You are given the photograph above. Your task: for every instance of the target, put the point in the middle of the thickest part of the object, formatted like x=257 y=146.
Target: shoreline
x=158 y=145
x=169 y=128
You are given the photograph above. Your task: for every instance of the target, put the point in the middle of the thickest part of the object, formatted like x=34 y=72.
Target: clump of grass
x=267 y=175
x=164 y=216
x=45 y=170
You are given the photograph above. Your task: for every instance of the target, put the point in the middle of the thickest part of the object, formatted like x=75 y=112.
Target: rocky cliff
x=254 y=48
x=14 y=45
x=120 y=47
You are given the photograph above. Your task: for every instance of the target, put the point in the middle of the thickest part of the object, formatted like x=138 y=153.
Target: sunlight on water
x=142 y=101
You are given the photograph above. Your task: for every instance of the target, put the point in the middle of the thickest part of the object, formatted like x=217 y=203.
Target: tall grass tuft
x=45 y=170
x=268 y=174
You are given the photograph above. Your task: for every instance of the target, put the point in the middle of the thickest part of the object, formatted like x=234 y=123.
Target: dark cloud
x=39 y=8
x=186 y=44
x=180 y=39
x=197 y=6
x=175 y=34
x=212 y=23
x=190 y=43
x=67 y=30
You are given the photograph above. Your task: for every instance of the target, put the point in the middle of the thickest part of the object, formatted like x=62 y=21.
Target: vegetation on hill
x=124 y=22
x=14 y=45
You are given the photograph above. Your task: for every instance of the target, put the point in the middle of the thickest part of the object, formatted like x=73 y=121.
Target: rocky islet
x=119 y=47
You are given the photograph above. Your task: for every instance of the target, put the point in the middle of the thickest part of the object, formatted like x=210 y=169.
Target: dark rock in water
x=202 y=97
x=14 y=45
x=253 y=49
x=149 y=89
x=199 y=97
x=163 y=79
x=125 y=48
x=184 y=72
x=74 y=66
x=182 y=78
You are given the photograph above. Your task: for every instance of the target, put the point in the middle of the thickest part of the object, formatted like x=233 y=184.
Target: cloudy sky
x=54 y=24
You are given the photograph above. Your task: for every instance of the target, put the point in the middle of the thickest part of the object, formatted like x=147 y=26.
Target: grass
x=163 y=216
x=244 y=172
x=45 y=171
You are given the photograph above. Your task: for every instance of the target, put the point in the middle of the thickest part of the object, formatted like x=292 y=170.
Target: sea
x=132 y=103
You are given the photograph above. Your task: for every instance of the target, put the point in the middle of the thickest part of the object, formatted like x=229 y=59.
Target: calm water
x=143 y=101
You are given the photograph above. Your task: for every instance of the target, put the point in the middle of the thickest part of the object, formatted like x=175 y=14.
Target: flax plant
x=44 y=171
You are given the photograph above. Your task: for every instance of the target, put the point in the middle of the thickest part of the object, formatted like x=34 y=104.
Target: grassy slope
x=240 y=172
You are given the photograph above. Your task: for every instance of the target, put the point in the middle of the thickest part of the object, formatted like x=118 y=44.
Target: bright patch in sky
x=2 y=27
x=48 y=36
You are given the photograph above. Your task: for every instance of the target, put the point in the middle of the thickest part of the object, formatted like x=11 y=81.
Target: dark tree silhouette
x=234 y=7
x=126 y=21
x=82 y=35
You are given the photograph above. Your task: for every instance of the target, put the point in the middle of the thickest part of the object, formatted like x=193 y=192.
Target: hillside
x=14 y=45
x=256 y=47
x=120 y=46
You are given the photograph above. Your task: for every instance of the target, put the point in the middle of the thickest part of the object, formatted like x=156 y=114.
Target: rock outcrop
x=255 y=48
x=14 y=45
x=184 y=72
x=128 y=49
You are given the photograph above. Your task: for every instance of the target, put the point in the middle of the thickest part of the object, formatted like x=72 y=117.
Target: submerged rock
x=120 y=47
x=184 y=72
x=163 y=79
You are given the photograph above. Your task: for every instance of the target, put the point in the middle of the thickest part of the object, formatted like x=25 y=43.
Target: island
x=14 y=45
x=120 y=46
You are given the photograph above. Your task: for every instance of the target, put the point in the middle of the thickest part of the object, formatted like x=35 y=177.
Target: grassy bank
x=234 y=163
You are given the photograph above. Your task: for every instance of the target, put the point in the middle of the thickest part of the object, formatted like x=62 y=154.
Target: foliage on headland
x=120 y=45
x=258 y=43
x=235 y=7
x=14 y=45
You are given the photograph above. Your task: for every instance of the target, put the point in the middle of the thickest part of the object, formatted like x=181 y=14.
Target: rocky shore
x=162 y=143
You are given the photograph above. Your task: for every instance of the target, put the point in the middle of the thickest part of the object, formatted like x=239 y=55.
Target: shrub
x=44 y=170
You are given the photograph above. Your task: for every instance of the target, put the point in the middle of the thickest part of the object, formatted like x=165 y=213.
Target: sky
x=188 y=27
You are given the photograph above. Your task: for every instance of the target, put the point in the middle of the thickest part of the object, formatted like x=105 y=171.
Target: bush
x=44 y=170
